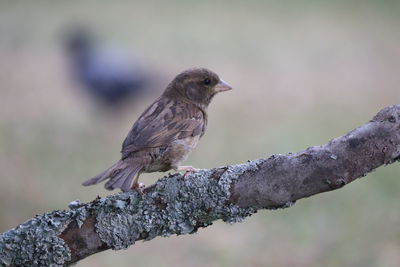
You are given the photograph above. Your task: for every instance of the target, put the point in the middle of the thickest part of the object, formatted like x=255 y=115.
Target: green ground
x=303 y=73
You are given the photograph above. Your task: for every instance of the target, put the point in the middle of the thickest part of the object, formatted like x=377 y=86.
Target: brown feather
x=166 y=132
x=155 y=130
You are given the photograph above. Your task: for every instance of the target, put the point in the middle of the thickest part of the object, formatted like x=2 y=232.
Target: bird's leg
x=188 y=170
x=136 y=185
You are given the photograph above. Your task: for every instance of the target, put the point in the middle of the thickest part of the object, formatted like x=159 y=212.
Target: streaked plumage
x=167 y=131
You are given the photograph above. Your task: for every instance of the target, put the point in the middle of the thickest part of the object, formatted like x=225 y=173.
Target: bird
x=106 y=74
x=166 y=132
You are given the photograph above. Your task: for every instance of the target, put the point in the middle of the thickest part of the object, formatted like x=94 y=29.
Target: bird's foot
x=187 y=169
x=138 y=187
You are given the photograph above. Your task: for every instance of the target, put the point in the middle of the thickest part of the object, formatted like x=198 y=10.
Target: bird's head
x=197 y=85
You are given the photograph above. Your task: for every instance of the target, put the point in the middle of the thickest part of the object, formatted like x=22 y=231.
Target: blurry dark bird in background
x=108 y=75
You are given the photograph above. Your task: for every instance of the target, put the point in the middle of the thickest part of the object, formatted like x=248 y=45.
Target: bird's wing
x=166 y=120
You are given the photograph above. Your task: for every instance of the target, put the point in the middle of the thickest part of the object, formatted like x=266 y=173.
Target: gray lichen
x=174 y=206
x=36 y=242
x=80 y=211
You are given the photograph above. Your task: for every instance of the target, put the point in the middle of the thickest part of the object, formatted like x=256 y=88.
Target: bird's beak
x=222 y=86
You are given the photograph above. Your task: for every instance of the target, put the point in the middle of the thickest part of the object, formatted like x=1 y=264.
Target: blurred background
x=303 y=72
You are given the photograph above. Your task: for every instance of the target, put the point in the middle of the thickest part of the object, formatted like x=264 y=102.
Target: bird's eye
x=207 y=81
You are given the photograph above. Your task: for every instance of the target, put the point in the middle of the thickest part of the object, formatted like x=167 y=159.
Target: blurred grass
x=303 y=72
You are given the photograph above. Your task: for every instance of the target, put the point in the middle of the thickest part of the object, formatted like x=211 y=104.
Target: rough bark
x=177 y=206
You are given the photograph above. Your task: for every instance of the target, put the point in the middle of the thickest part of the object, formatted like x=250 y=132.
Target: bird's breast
x=180 y=149
x=171 y=156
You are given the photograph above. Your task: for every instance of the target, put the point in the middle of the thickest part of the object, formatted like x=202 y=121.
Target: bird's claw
x=139 y=187
x=188 y=170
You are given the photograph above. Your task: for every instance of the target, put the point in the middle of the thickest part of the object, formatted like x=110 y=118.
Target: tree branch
x=177 y=206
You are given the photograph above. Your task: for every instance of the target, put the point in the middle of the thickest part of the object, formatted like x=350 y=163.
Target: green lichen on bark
x=173 y=206
x=36 y=242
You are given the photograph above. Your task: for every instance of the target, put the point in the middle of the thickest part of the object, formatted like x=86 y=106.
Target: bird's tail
x=120 y=175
